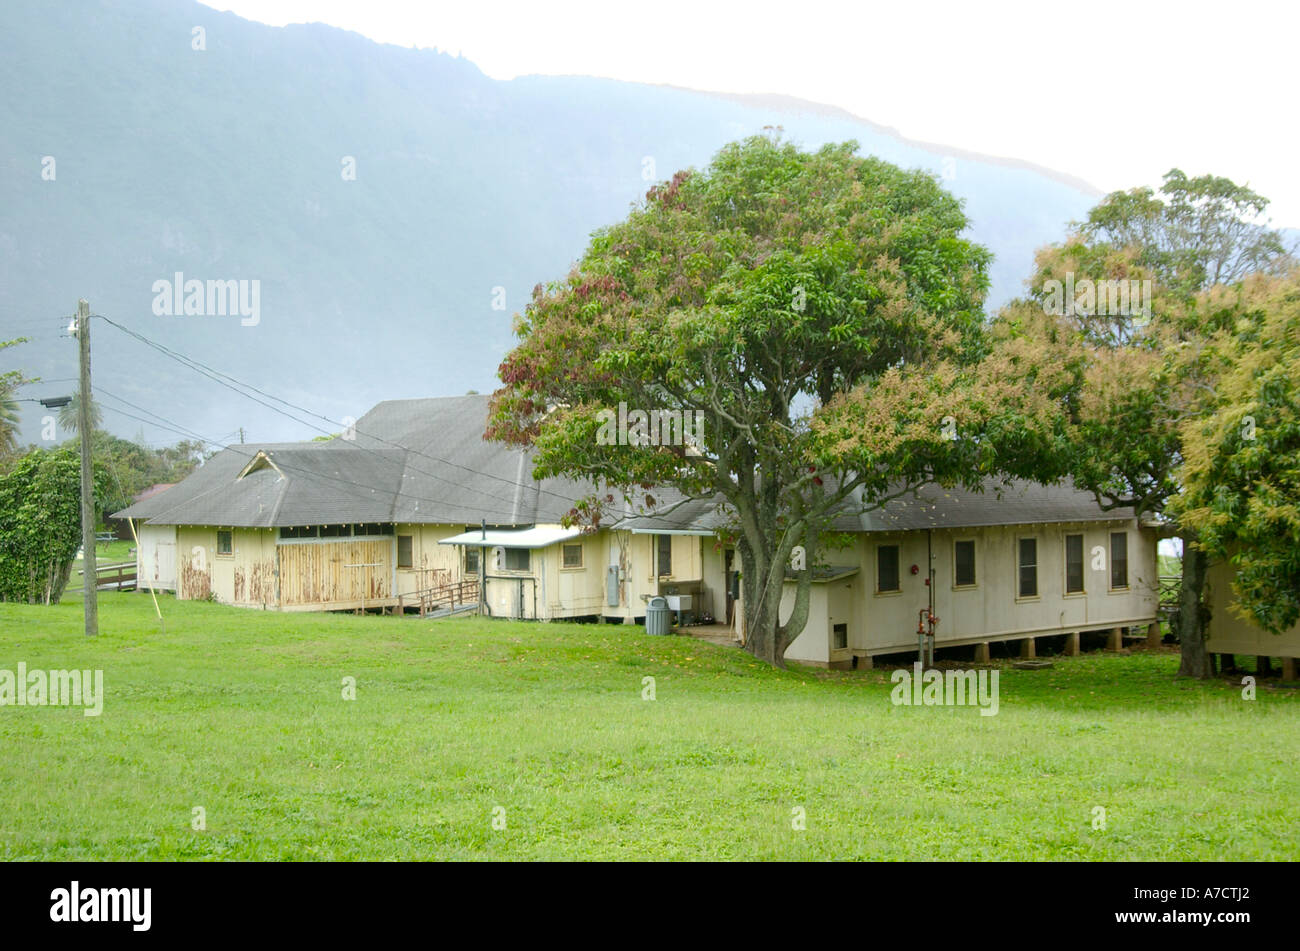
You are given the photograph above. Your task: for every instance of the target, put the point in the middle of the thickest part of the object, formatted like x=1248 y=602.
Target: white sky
x=1115 y=93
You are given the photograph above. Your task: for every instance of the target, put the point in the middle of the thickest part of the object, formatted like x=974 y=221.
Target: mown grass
x=241 y=713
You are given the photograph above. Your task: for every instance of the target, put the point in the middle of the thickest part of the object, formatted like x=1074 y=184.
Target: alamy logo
x=656 y=427
x=194 y=298
x=53 y=688
x=940 y=688
x=103 y=904
x=1089 y=298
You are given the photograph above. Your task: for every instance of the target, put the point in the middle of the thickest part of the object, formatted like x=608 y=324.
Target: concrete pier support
x=1153 y=634
x=982 y=652
x=1027 y=649
x=1116 y=640
x=1072 y=644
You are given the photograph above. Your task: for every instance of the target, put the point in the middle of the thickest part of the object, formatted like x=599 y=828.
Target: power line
x=148 y=411
x=219 y=377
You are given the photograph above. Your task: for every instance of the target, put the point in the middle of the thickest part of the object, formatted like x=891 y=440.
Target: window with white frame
x=1027 y=565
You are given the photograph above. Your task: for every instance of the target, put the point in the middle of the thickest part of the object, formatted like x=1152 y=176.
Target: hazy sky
x=1115 y=93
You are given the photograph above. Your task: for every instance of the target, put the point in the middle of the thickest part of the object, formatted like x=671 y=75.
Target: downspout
x=482 y=569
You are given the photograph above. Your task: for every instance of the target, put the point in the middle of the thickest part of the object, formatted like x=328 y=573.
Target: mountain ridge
x=227 y=164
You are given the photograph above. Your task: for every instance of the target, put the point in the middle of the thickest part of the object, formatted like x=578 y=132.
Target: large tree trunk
x=765 y=636
x=1192 y=614
x=762 y=604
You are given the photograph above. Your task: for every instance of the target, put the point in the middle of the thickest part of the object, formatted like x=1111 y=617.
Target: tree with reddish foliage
x=823 y=313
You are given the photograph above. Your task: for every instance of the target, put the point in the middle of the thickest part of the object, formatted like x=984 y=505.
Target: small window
x=335 y=531
x=665 y=555
x=571 y=556
x=1119 y=559
x=1028 y=563
x=964 y=564
x=1073 y=564
x=299 y=531
x=471 y=561
x=225 y=543
x=405 y=551
x=887 y=568
x=841 y=635
x=517 y=559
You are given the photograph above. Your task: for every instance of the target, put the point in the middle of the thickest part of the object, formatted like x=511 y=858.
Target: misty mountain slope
x=226 y=163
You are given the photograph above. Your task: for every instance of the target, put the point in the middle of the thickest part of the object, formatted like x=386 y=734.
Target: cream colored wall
x=196 y=550
x=641 y=584
x=1231 y=634
x=813 y=644
x=155 y=557
x=713 y=568
x=991 y=609
x=884 y=622
x=571 y=592
x=504 y=588
x=432 y=564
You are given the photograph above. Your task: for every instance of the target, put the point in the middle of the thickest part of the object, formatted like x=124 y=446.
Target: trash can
x=658 y=619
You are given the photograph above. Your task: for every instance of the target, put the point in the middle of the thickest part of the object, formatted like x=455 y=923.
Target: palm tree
x=70 y=419
x=10 y=417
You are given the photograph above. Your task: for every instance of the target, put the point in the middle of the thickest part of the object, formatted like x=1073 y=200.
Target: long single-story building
x=413 y=510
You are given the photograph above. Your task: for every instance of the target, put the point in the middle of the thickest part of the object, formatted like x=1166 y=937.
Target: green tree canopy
x=1193 y=233
x=1145 y=365
x=820 y=310
x=40 y=524
x=1241 y=475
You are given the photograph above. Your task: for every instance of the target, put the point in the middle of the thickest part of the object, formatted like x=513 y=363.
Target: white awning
x=538 y=537
x=700 y=532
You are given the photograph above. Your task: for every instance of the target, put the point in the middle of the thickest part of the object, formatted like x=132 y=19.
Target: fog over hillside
x=127 y=157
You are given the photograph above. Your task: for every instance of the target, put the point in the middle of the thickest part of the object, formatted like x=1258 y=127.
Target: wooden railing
x=120 y=577
x=453 y=594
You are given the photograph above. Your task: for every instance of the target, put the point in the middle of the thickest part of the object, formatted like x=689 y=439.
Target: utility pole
x=241 y=435
x=91 y=599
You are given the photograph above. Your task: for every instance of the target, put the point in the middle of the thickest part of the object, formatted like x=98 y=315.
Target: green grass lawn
x=241 y=713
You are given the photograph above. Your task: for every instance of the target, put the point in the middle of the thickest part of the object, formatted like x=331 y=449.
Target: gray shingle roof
x=425 y=460
x=419 y=460
x=997 y=503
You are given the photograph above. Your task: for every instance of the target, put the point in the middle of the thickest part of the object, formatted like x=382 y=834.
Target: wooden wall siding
x=255 y=583
x=196 y=583
x=315 y=574
x=434 y=564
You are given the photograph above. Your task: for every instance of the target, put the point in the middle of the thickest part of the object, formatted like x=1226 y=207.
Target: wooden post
x=1027 y=649
x=982 y=652
x=1288 y=668
x=1116 y=640
x=1153 y=634
x=90 y=600
x=1072 y=644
